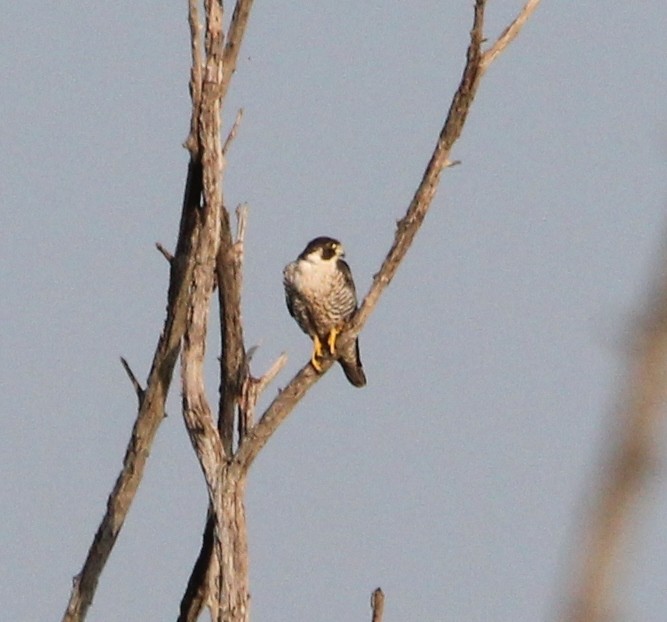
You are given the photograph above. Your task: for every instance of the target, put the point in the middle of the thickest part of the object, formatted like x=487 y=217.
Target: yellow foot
x=318 y=353
x=316 y=364
x=331 y=340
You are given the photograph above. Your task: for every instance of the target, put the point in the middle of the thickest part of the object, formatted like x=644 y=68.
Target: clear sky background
x=454 y=480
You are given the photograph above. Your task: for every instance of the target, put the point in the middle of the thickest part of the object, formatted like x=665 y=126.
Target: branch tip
x=241 y=221
x=377 y=604
x=250 y=353
x=133 y=379
x=272 y=372
x=165 y=253
x=232 y=133
x=508 y=35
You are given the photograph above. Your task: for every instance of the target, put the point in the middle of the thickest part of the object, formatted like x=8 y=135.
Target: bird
x=321 y=297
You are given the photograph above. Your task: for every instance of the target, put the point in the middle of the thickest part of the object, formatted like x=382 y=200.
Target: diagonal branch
x=151 y=411
x=407 y=228
x=235 y=36
x=509 y=34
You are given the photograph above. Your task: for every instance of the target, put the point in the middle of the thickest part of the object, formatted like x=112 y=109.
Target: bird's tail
x=350 y=361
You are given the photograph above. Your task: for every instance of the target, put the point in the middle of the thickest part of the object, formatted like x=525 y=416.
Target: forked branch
x=179 y=298
x=205 y=249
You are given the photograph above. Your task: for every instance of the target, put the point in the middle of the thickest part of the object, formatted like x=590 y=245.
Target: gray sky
x=493 y=360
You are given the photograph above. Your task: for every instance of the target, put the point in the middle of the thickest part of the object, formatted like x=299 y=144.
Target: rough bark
x=222 y=585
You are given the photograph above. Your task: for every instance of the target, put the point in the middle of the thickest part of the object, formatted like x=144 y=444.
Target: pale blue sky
x=493 y=361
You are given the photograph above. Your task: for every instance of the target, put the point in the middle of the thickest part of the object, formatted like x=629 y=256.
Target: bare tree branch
x=196 y=593
x=151 y=411
x=133 y=379
x=639 y=416
x=165 y=253
x=232 y=133
x=406 y=230
x=205 y=248
x=232 y=370
x=234 y=38
x=377 y=604
x=209 y=447
x=271 y=373
x=219 y=579
x=195 y=75
x=509 y=34
x=252 y=389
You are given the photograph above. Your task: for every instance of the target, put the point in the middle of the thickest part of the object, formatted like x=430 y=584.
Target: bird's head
x=323 y=250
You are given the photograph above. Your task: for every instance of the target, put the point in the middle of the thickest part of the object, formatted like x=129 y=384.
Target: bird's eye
x=328 y=251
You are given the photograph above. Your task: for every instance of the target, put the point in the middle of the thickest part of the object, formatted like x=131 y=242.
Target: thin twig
x=232 y=133
x=239 y=244
x=272 y=372
x=165 y=253
x=241 y=221
x=252 y=389
x=509 y=34
x=133 y=379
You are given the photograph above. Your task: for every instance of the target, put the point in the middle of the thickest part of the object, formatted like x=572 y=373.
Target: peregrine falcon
x=320 y=296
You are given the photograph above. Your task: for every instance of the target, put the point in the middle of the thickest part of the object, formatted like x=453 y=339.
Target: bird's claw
x=318 y=353
x=331 y=340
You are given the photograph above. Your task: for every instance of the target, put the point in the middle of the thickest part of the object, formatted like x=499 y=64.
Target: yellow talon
x=317 y=347
x=331 y=340
x=316 y=364
x=318 y=353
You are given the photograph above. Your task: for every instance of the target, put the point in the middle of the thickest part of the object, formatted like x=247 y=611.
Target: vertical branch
x=196 y=593
x=232 y=357
x=220 y=577
x=592 y=597
x=228 y=267
x=235 y=596
x=377 y=604
x=192 y=143
x=197 y=413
